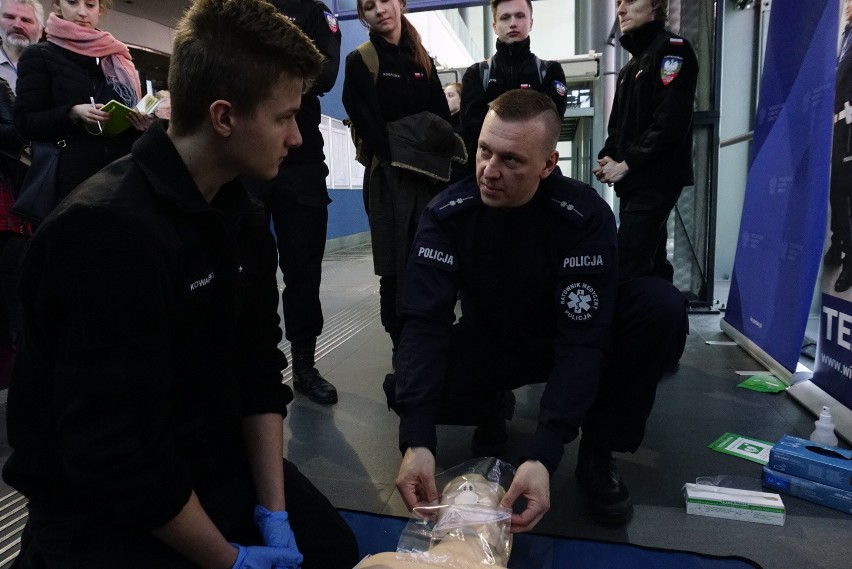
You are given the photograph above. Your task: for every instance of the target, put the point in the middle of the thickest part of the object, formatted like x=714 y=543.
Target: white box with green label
x=734 y=504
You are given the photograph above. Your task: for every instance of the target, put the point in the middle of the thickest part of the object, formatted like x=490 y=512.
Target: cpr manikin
x=467 y=529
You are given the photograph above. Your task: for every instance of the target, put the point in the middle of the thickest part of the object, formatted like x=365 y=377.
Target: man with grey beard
x=21 y=25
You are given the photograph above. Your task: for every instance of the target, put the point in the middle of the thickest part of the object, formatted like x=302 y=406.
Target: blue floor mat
x=376 y=533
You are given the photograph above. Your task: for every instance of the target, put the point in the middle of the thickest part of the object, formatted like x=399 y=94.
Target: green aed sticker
x=764 y=384
x=754 y=450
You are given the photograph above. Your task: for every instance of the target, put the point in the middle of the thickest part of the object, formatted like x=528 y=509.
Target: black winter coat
x=51 y=80
x=401 y=89
x=651 y=122
x=514 y=67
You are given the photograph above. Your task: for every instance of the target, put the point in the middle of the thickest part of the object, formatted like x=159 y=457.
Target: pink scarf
x=116 y=62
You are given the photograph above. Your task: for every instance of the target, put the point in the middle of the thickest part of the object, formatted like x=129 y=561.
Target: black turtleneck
x=650 y=126
x=515 y=52
x=638 y=40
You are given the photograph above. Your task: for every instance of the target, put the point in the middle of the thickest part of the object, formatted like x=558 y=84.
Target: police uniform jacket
x=651 y=122
x=319 y=24
x=151 y=331
x=402 y=88
x=538 y=281
x=514 y=67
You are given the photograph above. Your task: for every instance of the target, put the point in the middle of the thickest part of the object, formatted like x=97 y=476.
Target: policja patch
x=669 y=68
x=579 y=302
x=435 y=256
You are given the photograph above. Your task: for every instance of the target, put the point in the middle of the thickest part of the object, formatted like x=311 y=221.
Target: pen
x=100 y=128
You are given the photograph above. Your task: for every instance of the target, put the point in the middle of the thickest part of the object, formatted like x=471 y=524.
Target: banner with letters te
x=833 y=372
x=784 y=212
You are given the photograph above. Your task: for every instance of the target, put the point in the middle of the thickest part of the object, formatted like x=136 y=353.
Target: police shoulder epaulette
x=573 y=200
x=454 y=201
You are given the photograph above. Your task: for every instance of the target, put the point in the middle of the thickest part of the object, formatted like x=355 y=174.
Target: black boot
x=844 y=280
x=607 y=499
x=306 y=378
x=834 y=256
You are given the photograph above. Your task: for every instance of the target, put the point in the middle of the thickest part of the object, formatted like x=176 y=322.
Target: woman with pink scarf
x=63 y=83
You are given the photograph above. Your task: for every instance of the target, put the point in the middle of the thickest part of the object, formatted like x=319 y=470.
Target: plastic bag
x=468 y=528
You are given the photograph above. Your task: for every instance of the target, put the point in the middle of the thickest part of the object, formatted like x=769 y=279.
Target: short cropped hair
x=525 y=104
x=495 y=3
x=234 y=50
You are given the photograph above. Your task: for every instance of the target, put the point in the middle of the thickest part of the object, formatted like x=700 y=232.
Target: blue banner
x=784 y=213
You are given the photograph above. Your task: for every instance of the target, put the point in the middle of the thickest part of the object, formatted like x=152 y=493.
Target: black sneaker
x=315 y=386
x=489 y=438
x=607 y=499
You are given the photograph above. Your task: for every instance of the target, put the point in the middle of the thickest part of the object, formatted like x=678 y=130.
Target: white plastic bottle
x=824 y=431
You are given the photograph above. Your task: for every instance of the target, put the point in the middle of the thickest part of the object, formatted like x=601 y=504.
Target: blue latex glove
x=264 y=557
x=276 y=532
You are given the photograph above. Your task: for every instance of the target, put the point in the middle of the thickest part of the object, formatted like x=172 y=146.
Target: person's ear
x=222 y=117
x=549 y=165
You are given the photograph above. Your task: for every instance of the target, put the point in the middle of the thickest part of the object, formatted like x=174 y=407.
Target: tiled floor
x=350 y=449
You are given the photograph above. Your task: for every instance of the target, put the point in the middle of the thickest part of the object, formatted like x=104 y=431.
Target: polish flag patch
x=669 y=68
x=331 y=21
x=676 y=41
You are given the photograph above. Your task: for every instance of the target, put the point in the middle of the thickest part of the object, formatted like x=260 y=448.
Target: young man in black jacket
x=145 y=411
x=647 y=155
x=513 y=66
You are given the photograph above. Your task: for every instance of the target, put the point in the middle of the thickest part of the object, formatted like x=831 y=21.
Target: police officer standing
x=297 y=201
x=513 y=66
x=533 y=257
x=647 y=155
x=840 y=250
